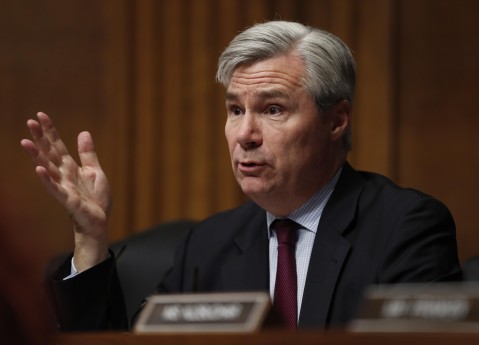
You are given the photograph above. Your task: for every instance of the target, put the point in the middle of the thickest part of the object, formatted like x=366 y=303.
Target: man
x=289 y=93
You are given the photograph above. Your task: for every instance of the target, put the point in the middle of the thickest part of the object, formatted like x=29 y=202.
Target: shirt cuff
x=73 y=271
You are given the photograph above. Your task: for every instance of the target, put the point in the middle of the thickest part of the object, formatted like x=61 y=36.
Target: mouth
x=250 y=168
x=249 y=164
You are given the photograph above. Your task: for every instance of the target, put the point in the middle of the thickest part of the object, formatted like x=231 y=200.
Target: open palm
x=82 y=189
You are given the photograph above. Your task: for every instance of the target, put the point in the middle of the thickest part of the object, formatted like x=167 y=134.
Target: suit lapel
x=249 y=270
x=330 y=249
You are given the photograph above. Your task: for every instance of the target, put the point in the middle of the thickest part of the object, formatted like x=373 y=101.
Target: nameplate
x=440 y=307
x=209 y=312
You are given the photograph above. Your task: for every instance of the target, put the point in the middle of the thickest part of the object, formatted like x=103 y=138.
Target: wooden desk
x=269 y=338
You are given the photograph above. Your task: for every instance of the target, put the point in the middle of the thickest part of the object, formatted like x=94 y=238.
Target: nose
x=249 y=132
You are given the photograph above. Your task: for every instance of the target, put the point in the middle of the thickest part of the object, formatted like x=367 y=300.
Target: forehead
x=284 y=73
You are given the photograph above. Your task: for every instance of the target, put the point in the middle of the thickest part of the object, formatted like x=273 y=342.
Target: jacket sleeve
x=422 y=246
x=90 y=301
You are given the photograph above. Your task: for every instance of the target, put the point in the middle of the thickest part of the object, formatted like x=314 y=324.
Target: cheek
x=303 y=149
x=287 y=151
x=229 y=137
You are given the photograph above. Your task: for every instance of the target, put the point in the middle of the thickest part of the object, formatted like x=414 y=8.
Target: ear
x=340 y=117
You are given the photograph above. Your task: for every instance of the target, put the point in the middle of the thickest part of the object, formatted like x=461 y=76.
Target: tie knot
x=285 y=230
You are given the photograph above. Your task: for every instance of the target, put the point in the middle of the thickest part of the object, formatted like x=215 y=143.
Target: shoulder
x=408 y=226
x=375 y=198
x=372 y=188
x=381 y=190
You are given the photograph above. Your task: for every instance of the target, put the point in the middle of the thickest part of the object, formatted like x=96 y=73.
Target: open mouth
x=249 y=165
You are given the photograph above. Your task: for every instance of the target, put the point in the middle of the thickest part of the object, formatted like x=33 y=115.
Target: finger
x=42 y=142
x=86 y=151
x=37 y=133
x=32 y=150
x=43 y=134
x=51 y=185
x=51 y=133
x=39 y=159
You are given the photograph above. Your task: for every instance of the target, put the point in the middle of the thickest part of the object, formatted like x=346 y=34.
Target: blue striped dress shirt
x=307 y=216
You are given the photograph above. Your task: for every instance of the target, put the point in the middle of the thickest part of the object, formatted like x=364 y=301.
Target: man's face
x=282 y=150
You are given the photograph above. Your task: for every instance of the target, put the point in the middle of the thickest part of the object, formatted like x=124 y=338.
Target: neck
x=282 y=205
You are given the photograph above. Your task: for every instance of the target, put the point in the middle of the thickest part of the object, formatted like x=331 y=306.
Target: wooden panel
x=171 y=158
x=344 y=21
x=51 y=59
x=227 y=194
x=438 y=102
x=140 y=76
x=148 y=96
x=117 y=152
x=374 y=116
x=201 y=121
x=144 y=140
x=182 y=120
x=270 y=336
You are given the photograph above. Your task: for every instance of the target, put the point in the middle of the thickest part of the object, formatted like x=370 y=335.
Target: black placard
x=218 y=312
x=445 y=307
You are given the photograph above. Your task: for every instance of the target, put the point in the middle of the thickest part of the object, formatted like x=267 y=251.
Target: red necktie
x=285 y=290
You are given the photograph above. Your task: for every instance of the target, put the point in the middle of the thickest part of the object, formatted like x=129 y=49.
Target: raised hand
x=83 y=190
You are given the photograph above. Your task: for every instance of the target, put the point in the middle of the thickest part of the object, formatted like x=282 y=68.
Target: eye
x=273 y=110
x=235 y=110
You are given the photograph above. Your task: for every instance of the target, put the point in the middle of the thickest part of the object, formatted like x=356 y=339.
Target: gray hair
x=329 y=65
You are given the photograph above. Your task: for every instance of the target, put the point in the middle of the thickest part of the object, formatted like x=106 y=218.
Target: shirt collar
x=309 y=214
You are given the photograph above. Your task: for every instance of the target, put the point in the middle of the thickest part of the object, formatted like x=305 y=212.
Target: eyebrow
x=231 y=96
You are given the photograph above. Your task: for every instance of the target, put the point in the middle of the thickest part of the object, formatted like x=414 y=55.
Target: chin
x=255 y=190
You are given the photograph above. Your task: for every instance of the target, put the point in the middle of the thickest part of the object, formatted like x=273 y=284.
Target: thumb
x=86 y=150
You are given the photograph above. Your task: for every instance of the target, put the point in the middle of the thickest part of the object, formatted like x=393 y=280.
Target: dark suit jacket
x=371 y=232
